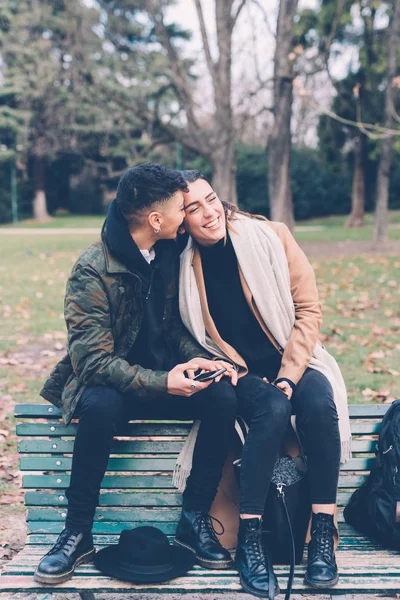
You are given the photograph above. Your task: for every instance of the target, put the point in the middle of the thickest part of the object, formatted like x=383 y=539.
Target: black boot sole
x=204 y=562
x=55 y=579
x=323 y=585
x=253 y=591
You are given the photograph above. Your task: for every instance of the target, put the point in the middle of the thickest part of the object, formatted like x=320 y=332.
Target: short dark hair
x=143 y=185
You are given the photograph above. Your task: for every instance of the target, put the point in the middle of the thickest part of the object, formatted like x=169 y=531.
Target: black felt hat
x=144 y=555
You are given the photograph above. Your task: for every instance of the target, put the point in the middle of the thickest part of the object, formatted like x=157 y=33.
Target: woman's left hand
x=285 y=388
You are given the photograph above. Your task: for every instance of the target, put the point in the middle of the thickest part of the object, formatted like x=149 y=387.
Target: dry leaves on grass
x=384 y=395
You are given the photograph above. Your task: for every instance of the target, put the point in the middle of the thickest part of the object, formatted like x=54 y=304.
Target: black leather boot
x=70 y=550
x=252 y=561
x=196 y=532
x=321 y=568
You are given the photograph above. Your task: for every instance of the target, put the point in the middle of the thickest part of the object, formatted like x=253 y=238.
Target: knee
x=318 y=410
x=102 y=405
x=279 y=407
x=273 y=406
x=222 y=399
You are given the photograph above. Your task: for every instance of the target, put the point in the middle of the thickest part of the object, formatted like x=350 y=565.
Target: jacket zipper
x=150 y=284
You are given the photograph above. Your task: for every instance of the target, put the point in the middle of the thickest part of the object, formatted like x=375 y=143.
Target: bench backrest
x=137 y=488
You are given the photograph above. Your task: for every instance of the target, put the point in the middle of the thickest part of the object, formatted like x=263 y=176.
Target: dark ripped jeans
x=103 y=411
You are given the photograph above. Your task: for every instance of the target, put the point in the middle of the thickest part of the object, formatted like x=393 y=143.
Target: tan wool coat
x=279 y=285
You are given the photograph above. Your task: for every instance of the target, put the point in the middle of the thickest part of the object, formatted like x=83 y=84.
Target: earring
x=157 y=231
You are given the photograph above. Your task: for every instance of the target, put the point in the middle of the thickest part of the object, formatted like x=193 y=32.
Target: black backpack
x=374 y=509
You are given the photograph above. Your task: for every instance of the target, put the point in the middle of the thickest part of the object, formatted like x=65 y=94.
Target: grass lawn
x=332 y=229
x=73 y=221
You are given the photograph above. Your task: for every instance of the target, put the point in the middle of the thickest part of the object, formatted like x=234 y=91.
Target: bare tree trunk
x=279 y=142
x=356 y=217
x=385 y=162
x=224 y=175
x=217 y=142
x=39 y=199
x=223 y=157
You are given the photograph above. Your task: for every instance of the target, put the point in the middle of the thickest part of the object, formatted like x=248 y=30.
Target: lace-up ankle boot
x=196 y=532
x=70 y=550
x=321 y=568
x=252 y=561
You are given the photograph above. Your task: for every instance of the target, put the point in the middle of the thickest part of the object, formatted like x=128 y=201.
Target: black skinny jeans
x=267 y=411
x=102 y=411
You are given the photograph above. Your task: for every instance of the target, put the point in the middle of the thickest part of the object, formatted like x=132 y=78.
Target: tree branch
x=235 y=16
x=335 y=23
x=178 y=75
x=206 y=45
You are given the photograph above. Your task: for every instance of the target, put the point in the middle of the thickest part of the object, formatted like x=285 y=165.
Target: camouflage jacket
x=103 y=312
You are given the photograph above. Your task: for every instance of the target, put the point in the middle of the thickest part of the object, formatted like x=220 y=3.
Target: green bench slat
x=109 y=499
x=365 y=427
x=99 y=527
x=358 y=464
x=61 y=481
x=57 y=429
x=119 y=515
x=48 y=410
x=54 y=446
x=43 y=539
x=105 y=516
x=363 y=446
x=153 y=498
x=37 y=411
x=119 y=447
x=62 y=463
x=348 y=480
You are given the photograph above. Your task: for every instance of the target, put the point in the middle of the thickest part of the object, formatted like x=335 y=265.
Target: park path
x=312 y=249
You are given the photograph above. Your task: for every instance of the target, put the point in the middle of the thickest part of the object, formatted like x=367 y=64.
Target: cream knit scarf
x=263 y=262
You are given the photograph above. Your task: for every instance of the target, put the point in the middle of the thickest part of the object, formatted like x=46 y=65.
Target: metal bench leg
x=87 y=595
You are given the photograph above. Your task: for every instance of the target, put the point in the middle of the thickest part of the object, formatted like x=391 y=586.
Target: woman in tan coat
x=248 y=294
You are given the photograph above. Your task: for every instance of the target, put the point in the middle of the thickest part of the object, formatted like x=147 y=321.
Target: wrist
x=289 y=381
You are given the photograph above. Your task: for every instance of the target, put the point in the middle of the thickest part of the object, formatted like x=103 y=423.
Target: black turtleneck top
x=232 y=316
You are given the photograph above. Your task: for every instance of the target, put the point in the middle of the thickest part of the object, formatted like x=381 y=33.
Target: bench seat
x=137 y=490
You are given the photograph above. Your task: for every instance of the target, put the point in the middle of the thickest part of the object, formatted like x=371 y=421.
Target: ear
x=155 y=220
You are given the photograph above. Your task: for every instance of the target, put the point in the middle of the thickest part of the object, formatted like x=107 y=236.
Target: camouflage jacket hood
x=103 y=312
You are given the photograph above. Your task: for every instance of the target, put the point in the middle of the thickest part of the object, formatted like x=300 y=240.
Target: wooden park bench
x=137 y=490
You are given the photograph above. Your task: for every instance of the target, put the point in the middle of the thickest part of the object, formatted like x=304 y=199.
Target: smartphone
x=208 y=375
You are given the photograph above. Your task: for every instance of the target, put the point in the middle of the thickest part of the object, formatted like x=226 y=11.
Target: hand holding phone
x=209 y=375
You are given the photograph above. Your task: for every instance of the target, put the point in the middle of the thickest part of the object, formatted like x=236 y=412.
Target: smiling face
x=204 y=214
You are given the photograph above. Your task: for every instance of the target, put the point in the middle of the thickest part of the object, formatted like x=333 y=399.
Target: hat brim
x=178 y=562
